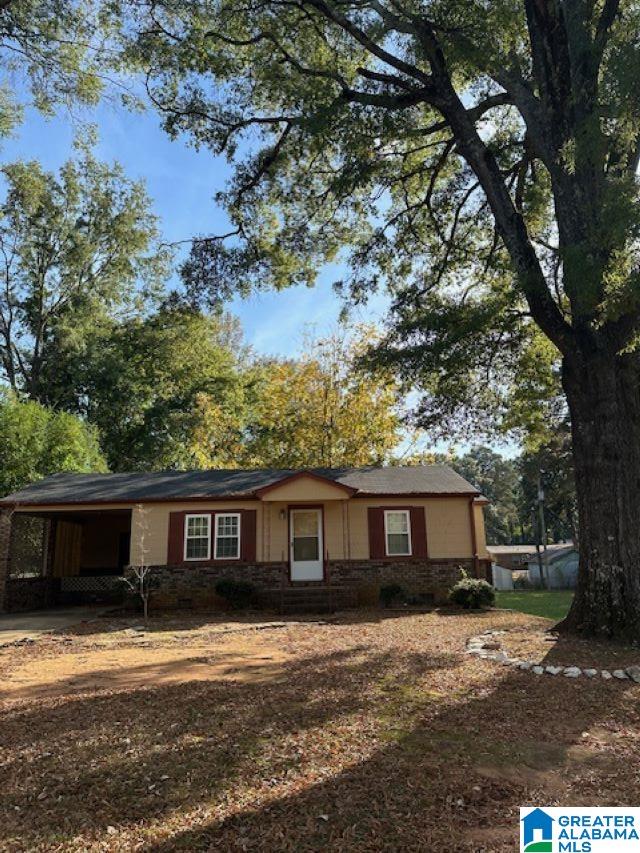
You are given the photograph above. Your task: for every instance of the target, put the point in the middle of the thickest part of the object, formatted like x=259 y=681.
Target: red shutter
x=418 y=532
x=248 y=536
x=376 y=533
x=175 y=546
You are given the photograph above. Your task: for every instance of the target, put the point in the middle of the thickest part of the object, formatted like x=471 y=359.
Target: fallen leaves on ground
x=359 y=734
x=542 y=646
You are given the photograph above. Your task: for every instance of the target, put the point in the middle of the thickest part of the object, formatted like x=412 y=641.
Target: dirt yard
x=360 y=734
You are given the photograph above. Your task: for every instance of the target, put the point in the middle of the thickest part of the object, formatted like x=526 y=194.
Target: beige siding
x=449 y=528
x=277 y=537
x=150 y=527
x=272 y=531
x=448 y=525
x=305 y=490
x=277 y=547
x=345 y=526
x=334 y=541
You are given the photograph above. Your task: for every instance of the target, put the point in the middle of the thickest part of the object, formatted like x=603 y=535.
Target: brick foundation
x=193 y=585
x=428 y=579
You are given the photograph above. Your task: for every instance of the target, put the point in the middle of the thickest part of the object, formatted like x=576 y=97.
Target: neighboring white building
x=502 y=578
x=510 y=562
x=560 y=568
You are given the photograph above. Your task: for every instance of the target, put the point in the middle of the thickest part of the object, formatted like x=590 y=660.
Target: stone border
x=487 y=647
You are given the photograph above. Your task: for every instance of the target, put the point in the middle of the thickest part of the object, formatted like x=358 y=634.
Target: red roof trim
x=301 y=474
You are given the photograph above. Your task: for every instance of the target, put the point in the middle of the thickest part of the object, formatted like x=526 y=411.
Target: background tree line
x=93 y=341
x=105 y=367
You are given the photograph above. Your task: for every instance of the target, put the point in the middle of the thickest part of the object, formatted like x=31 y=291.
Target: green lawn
x=552 y=604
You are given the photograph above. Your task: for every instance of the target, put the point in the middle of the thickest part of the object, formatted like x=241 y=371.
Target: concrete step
x=312 y=599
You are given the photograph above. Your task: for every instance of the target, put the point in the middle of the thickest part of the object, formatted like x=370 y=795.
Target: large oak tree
x=479 y=158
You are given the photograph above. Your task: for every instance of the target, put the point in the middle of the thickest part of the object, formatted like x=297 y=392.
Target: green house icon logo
x=537 y=832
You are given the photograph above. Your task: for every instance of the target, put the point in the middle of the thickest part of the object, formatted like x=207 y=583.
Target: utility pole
x=542 y=526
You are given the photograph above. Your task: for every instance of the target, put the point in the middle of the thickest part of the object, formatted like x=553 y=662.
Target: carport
x=66 y=557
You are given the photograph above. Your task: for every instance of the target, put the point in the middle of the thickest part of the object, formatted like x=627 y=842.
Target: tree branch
x=332 y=14
x=392 y=102
x=509 y=221
x=268 y=159
x=605 y=22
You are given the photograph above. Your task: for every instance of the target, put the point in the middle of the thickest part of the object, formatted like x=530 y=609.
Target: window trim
x=407 y=514
x=218 y=516
x=187 y=537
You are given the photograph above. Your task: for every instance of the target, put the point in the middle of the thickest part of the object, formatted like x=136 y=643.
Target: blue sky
x=182 y=182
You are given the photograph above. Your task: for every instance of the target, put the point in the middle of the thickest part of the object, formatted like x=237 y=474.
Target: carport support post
x=5 y=542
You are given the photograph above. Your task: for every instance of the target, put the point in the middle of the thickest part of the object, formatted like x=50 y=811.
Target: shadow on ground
x=118 y=620
x=355 y=748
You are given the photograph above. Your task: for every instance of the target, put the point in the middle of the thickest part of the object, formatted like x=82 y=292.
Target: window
x=197 y=537
x=397 y=533
x=227 y=536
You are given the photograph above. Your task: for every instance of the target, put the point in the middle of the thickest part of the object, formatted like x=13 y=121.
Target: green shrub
x=237 y=593
x=389 y=592
x=472 y=593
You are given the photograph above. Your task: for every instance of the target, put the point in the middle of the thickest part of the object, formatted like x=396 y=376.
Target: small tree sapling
x=140 y=576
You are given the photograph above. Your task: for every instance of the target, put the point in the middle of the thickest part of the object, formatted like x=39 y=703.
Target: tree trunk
x=603 y=392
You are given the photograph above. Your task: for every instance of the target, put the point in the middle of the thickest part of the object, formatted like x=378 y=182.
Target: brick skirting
x=193 y=585
x=427 y=578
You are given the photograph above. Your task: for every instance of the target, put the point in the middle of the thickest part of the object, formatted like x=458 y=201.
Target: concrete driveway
x=18 y=626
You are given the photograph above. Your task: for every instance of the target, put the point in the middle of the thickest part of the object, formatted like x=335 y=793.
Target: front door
x=305 y=547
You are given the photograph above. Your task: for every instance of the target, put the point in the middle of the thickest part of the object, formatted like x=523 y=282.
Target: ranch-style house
x=341 y=532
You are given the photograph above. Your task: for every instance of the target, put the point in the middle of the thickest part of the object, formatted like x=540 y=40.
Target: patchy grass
x=365 y=734
x=552 y=604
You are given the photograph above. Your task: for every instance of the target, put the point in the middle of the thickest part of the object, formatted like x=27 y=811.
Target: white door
x=305 y=547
